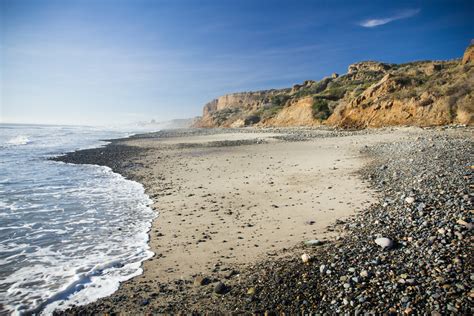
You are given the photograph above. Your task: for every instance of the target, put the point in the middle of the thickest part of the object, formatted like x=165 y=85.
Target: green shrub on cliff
x=279 y=100
x=269 y=110
x=320 y=109
x=251 y=119
x=313 y=88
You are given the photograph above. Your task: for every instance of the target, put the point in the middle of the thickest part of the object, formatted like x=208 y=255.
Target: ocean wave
x=18 y=140
x=70 y=233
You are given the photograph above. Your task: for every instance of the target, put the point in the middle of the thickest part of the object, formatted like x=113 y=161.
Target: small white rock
x=322 y=268
x=410 y=200
x=383 y=242
x=306 y=258
x=421 y=207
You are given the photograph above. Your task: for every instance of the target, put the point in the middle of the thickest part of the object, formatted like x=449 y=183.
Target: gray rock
x=313 y=242
x=322 y=268
x=385 y=243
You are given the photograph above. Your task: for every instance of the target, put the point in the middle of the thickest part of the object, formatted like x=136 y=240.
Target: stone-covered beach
x=388 y=211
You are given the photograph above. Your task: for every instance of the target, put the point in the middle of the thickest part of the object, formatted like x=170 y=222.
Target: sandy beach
x=221 y=206
x=228 y=200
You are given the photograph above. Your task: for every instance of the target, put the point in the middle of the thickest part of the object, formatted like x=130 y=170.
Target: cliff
x=228 y=110
x=370 y=94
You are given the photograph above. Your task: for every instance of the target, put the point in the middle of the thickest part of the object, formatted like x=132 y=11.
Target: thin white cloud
x=403 y=15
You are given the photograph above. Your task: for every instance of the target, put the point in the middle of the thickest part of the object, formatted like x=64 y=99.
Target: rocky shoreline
x=423 y=209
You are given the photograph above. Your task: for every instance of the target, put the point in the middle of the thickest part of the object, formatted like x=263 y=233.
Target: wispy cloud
x=402 y=15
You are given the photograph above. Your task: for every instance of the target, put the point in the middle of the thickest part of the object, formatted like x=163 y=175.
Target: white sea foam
x=18 y=140
x=69 y=233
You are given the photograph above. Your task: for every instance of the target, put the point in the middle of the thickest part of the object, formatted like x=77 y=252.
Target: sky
x=114 y=61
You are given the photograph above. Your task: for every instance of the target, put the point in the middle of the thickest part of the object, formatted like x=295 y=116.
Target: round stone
x=385 y=243
x=220 y=288
x=410 y=200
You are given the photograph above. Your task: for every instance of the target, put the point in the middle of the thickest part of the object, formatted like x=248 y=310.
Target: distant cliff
x=370 y=94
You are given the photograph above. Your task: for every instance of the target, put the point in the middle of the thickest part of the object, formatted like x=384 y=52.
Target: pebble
x=385 y=243
x=313 y=242
x=469 y=226
x=220 y=288
x=410 y=200
x=305 y=258
x=322 y=268
x=229 y=274
x=200 y=280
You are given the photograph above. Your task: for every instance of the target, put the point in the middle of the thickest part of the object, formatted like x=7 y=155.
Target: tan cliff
x=221 y=111
x=468 y=55
x=370 y=94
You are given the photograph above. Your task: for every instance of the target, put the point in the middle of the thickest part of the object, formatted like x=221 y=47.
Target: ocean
x=68 y=233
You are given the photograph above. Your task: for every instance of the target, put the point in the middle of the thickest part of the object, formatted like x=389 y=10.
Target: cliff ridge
x=370 y=94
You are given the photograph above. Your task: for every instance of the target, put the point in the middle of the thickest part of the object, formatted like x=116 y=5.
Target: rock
x=229 y=274
x=421 y=207
x=385 y=243
x=469 y=226
x=364 y=273
x=410 y=281
x=313 y=242
x=200 y=280
x=251 y=291
x=322 y=268
x=220 y=288
x=410 y=200
x=305 y=258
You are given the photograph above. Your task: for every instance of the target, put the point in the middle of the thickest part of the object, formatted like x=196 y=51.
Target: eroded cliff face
x=232 y=110
x=422 y=94
x=370 y=94
x=468 y=55
x=297 y=113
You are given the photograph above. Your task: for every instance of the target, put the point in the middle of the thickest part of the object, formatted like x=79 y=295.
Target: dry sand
x=230 y=205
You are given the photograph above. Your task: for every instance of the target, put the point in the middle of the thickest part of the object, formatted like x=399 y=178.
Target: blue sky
x=114 y=61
